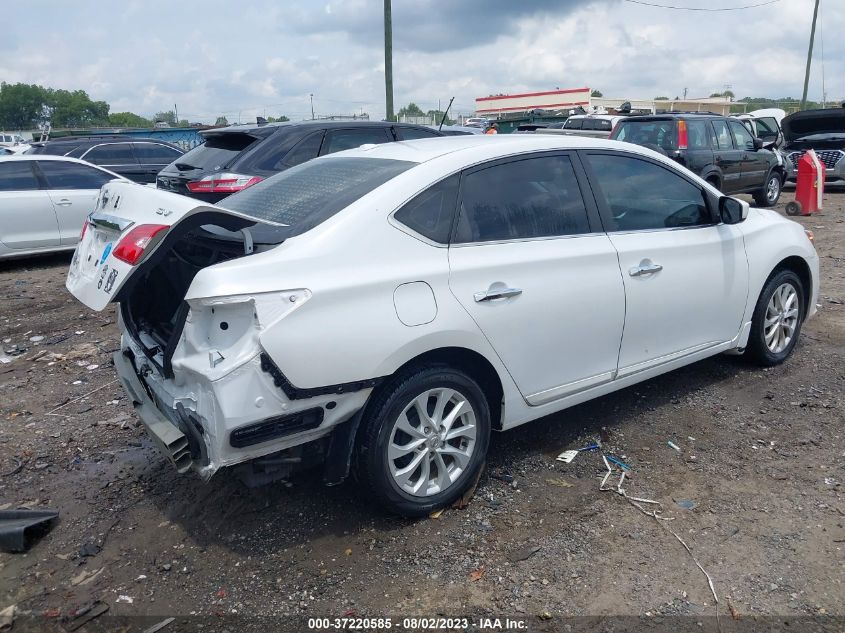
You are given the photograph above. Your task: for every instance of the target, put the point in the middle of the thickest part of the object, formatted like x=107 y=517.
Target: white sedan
x=388 y=307
x=44 y=201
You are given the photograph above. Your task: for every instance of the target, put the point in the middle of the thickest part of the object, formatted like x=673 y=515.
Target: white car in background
x=390 y=306
x=44 y=201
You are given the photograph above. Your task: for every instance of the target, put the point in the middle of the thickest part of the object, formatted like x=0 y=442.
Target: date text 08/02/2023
x=417 y=624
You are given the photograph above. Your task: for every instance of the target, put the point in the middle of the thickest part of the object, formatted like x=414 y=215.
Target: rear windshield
x=651 y=134
x=218 y=151
x=307 y=195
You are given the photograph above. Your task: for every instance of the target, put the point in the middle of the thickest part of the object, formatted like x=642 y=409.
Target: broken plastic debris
x=672 y=444
x=560 y=483
x=618 y=462
x=17 y=526
x=567 y=456
x=591 y=447
x=686 y=504
x=35 y=339
x=125 y=599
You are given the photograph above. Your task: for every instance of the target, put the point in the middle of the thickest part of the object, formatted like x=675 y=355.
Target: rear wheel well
x=714 y=180
x=471 y=363
x=799 y=267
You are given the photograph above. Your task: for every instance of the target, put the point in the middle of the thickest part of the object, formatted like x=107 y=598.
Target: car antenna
x=440 y=127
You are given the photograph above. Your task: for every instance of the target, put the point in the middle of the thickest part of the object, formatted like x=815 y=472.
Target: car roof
x=105 y=139
x=321 y=123
x=54 y=158
x=486 y=147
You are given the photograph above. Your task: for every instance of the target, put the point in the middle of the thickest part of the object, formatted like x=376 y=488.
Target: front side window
x=640 y=195
x=17 y=176
x=431 y=212
x=744 y=139
x=339 y=140
x=530 y=198
x=112 y=154
x=62 y=175
x=306 y=195
x=723 y=136
x=573 y=124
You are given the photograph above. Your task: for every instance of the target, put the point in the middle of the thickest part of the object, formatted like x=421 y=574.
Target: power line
x=667 y=6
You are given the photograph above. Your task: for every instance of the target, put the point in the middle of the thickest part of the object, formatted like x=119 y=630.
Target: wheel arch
x=800 y=267
x=713 y=176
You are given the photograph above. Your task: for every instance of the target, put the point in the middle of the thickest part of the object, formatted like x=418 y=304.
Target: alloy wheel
x=432 y=442
x=773 y=189
x=781 y=318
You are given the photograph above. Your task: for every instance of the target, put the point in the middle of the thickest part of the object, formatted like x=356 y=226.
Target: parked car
x=719 y=149
x=236 y=157
x=476 y=121
x=819 y=130
x=139 y=159
x=44 y=201
x=765 y=125
x=594 y=125
x=392 y=305
x=11 y=140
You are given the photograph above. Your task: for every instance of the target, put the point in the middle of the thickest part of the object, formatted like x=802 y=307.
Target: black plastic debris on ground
x=19 y=528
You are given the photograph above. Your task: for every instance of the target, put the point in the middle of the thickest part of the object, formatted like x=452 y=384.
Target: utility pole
x=312 y=105
x=176 y=113
x=388 y=61
x=810 y=56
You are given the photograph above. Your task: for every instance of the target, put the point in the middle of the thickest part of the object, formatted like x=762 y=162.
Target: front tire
x=769 y=195
x=777 y=320
x=423 y=440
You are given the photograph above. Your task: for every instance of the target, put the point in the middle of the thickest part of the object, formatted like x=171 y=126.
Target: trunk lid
x=132 y=220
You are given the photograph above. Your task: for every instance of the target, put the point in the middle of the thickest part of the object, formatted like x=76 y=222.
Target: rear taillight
x=131 y=248
x=222 y=183
x=84 y=228
x=682 y=135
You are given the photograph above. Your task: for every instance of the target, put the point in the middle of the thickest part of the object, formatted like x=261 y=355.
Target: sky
x=266 y=57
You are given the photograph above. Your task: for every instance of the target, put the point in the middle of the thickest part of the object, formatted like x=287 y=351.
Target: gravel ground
x=755 y=491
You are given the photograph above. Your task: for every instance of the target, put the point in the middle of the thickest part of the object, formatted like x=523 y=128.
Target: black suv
x=136 y=158
x=236 y=157
x=719 y=149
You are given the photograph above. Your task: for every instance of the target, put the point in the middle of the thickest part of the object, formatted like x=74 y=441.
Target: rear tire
x=412 y=456
x=776 y=323
x=769 y=195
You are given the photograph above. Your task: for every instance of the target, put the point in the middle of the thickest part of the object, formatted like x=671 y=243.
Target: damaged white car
x=386 y=308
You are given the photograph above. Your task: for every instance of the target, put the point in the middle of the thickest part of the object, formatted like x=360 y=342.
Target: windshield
x=307 y=195
x=648 y=133
x=218 y=151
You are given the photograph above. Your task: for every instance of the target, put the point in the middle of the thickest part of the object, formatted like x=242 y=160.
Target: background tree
x=21 y=105
x=279 y=119
x=661 y=99
x=596 y=93
x=168 y=117
x=221 y=120
x=412 y=109
x=436 y=115
x=128 y=119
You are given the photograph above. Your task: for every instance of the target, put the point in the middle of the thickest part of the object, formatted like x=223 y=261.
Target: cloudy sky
x=254 y=56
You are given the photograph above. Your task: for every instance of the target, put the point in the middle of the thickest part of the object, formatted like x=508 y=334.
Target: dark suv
x=719 y=149
x=136 y=158
x=236 y=157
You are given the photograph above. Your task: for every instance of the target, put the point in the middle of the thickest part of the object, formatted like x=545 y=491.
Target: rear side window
x=112 y=154
x=573 y=124
x=723 y=136
x=17 y=176
x=535 y=197
x=431 y=212
x=304 y=196
x=62 y=175
x=306 y=149
x=698 y=136
x=156 y=153
x=640 y=195
x=218 y=151
x=339 y=140
x=410 y=133
x=651 y=134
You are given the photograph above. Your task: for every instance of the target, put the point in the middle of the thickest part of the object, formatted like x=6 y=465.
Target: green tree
x=221 y=120
x=128 y=119
x=661 y=98
x=279 y=119
x=21 y=105
x=75 y=109
x=726 y=93
x=412 y=109
x=596 y=93
x=437 y=115
x=168 y=117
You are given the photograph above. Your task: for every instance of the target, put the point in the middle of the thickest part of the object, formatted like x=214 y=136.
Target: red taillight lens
x=222 y=183
x=131 y=248
x=84 y=228
x=682 y=135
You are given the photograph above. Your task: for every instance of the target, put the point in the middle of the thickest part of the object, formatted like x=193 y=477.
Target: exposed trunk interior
x=153 y=306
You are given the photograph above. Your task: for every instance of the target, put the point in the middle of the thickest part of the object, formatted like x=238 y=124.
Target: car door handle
x=497 y=294
x=64 y=202
x=644 y=269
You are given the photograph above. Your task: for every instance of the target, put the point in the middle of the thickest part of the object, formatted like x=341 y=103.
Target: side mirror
x=758 y=143
x=732 y=210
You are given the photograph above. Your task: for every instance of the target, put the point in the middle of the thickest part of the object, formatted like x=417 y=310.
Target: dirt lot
x=761 y=461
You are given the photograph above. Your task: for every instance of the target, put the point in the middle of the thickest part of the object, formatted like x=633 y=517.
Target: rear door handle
x=497 y=294
x=644 y=269
x=64 y=202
